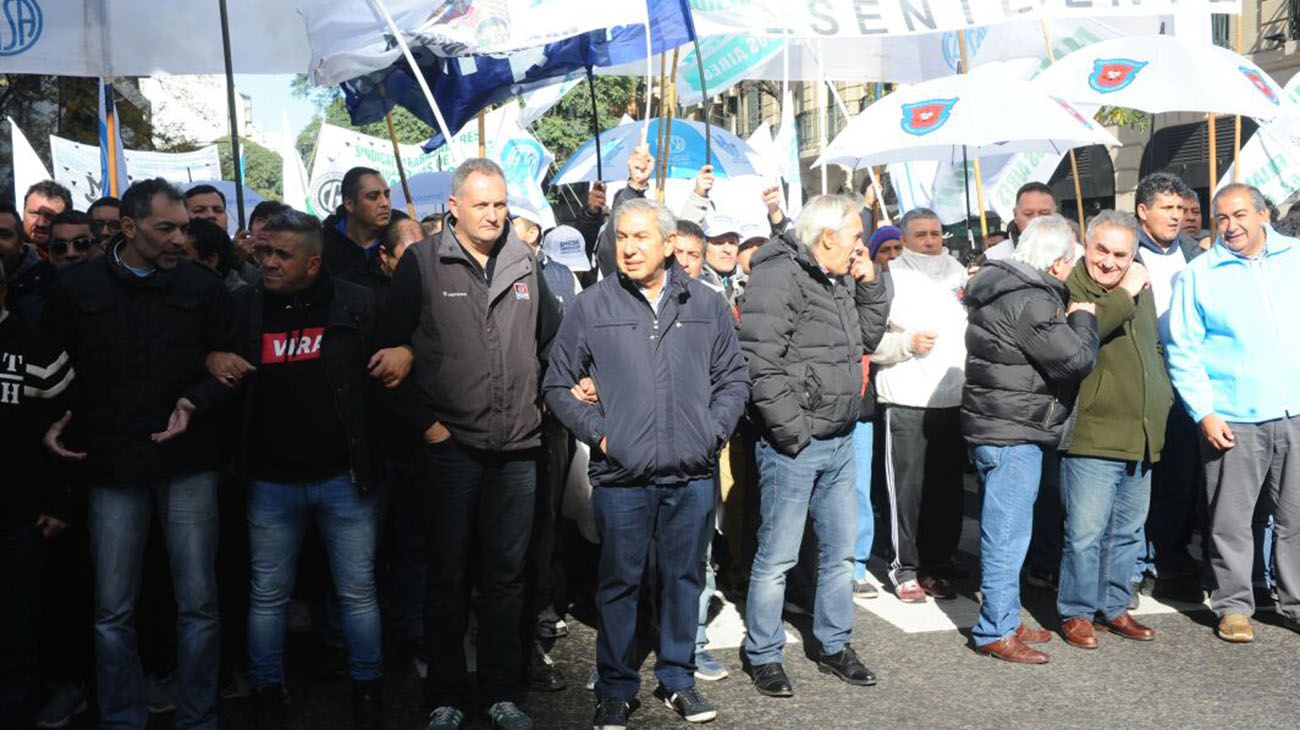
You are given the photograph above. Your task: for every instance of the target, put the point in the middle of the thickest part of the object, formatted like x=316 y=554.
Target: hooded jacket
x=804 y=334
x=1024 y=356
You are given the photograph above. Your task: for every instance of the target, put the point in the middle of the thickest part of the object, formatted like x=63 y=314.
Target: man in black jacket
x=672 y=385
x=137 y=323
x=309 y=444
x=27 y=275
x=1024 y=356
x=474 y=309
x=352 y=234
x=813 y=308
x=34 y=378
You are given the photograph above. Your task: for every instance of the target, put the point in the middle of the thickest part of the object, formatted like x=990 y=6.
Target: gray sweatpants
x=1266 y=456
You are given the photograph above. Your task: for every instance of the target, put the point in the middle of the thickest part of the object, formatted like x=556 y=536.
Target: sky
x=271 y=96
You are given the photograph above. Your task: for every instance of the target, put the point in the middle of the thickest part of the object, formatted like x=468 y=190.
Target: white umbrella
x=982 y=114
x=1162 y=73
x=731 y=155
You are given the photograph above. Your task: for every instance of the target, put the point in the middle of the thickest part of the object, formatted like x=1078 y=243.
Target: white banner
x=868 y=18
x=144 y=37
x=77 y=167
x=1270 y=161
x=524 y=160
x=28 y=167
x=943 y=187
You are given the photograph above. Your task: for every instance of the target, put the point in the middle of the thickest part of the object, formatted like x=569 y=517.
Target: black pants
x=67 y=614
x=480 y=506
x=925 y=461
x=21 y=557
x=545 y=559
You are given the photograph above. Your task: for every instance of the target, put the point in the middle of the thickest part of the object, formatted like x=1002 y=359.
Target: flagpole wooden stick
x=661 y=160
x=1214 y=153
x=482 y=133
x=871 y=171
x=1236 y=126
x=595 y=124
x=397 y=154
x=704 y=104
x=979 y=175
x=1074 y=161
x=110 y=123
x=668 y=133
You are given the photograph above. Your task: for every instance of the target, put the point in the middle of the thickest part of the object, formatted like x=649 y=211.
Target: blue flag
x=466 y=85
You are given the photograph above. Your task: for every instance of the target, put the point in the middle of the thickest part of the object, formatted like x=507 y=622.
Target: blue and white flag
x=118 y=155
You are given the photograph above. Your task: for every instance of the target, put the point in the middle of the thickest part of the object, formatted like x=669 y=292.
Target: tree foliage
x=262 y=167
x=568 y=124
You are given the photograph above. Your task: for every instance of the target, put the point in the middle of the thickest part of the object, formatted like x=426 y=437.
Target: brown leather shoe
x=1012 y=649
x=1124 y=625
x=1077 y=631
x=937 y=588
x=1033 y=636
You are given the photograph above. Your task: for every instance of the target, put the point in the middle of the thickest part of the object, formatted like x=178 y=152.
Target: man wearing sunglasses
x=105 y=220
x=72 y=239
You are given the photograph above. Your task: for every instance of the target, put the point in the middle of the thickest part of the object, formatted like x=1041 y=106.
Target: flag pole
x=660 y=139
x=482 y=133
x=979 y=176
x=844 y=110
x=379 y=6
x=1074 y=161
x=668 y=133
x=397 y=154
x=1214 y=152
x=110 y=124
x=235 y=155
x=595 y=123
x=649 y=76
x=704 y=105
x=1236 y=127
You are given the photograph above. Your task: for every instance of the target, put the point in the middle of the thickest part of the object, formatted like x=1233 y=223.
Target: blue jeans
x=863 y=436
x=119 y=525
x=278 y=515
x=820 y=481
x=1105 y=505
x=678 y=520
x=1010 y=475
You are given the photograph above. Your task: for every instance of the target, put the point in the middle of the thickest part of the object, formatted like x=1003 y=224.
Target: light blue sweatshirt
x=1234 y=333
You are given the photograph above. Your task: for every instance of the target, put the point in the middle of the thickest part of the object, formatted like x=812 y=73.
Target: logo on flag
x=1072 y=112
x=1259 y=83
x=1112 y=74
x=926 y=116
x=521 y=291
x=22 y=24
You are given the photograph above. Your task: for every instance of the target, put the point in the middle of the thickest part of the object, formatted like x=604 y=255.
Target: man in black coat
x=138 y=323
x=1024 y=354
x=672 y=383
x=813 y=308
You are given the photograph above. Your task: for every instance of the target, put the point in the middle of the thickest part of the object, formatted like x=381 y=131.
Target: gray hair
x=304 y=224
x=1113 y=219
x=1256 y=197
x=480 y=165
x=664 y=219
x=1046 y=240
x=824 y=213
x=916 y=214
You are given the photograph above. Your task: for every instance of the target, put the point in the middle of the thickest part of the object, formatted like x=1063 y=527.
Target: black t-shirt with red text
x=298 y=435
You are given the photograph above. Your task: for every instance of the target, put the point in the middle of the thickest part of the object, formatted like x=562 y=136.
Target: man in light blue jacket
x=1234 y=341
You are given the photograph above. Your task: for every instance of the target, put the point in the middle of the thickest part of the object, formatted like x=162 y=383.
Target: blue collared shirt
x=1234 y=333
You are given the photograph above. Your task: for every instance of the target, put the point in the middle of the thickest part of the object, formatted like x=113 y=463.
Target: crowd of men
x=400 y=405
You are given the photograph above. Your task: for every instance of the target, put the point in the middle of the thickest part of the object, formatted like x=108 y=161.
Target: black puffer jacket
x=1024 y=357
x=804 y=335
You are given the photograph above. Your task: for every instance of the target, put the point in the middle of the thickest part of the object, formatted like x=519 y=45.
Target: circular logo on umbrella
x=924 y=117
x=21 y=23
x=1260 y=83
x=1112 y=74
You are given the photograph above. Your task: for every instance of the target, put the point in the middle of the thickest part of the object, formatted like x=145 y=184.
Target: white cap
x=716 y=226
x=566 y=245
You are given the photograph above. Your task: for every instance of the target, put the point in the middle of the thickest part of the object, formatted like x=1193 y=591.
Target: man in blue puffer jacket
x=662 y=352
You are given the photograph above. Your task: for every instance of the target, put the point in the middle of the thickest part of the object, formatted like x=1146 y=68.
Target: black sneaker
x=846 y=666
x=612 y=714
x=543 y=674
x=688 y=703
x=269 y=708
x=770 y=680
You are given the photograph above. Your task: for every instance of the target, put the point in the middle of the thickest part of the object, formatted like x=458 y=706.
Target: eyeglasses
x=59 y=246
x=113 y=226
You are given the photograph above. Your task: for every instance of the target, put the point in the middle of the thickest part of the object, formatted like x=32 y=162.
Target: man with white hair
x=1025 y=355
x=815 y=308
x=1118 y=431
x=922 y=358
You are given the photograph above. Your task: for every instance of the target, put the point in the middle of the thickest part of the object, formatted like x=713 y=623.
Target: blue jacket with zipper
x=672 y=383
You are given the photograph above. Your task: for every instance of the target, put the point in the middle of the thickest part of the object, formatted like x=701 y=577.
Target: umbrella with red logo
x=985 y=113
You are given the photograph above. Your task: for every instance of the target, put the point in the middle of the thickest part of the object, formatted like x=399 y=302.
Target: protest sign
x=78 y=167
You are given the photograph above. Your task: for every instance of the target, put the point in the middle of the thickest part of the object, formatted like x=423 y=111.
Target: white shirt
x=659 y=298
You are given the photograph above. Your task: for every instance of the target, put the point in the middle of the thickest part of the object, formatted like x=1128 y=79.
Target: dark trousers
x=1049 y=521
x=67 y=613
x=480 y=505
x=545 y=561
x=21 y=555
x=405 y=542
x=925 y=460
x=1173 y=498
x=678 y=520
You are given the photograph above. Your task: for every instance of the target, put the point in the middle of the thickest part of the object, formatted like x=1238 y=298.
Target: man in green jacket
x=1118 y=431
